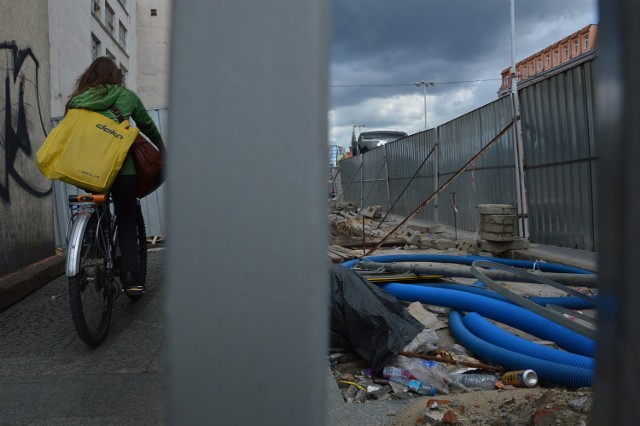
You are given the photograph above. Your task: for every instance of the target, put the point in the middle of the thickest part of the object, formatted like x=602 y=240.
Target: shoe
x=130 y=283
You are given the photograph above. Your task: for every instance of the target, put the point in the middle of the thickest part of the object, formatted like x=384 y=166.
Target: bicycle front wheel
x=90 y=290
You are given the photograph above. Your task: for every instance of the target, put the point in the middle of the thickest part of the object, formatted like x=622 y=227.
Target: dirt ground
x=535 y=406
x=545 y=404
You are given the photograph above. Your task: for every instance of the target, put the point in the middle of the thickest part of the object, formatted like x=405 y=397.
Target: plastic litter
x=390 y=370
x=434 y=375
x=477 y=380
x=415 y=385
x=520 y=378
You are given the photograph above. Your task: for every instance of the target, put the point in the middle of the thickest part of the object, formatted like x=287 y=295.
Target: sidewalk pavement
x=16 y=286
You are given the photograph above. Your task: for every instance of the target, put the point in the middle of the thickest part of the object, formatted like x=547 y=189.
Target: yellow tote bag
x=86 y=149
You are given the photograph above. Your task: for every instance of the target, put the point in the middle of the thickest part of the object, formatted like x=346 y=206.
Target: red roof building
x=551 y=58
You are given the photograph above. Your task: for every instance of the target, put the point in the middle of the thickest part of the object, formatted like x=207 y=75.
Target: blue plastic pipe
x=467 y=260
x=490 y=333
x=570 y=302
x=574 y=377
x=503 y=312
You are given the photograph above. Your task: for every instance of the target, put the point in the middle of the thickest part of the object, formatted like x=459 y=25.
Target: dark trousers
x=124 y=200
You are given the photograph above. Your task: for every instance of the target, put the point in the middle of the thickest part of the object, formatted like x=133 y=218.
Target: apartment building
x=154 y=37
x=45 y=46
x=81 y=31
x=552 y=58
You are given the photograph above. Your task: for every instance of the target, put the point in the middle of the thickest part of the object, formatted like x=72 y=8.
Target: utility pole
x=425 y=84
x=521 y=189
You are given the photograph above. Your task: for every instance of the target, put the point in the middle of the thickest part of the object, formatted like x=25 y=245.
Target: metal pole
x=425 y=108
x=425 y=84
x=386 y=169
x=454 y=206
x=436 y=172
x=361 y=182
x=521 y=190
x=211 y=342
x=616 y=391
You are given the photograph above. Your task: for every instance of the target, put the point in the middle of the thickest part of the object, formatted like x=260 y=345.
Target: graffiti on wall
x=20 y=118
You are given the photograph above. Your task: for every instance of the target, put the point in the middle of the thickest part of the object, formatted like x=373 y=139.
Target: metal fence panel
x=491 y=179
x=412 y=165
x=559 y=141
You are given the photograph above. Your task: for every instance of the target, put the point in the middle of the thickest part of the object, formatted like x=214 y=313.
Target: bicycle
x=93 y=264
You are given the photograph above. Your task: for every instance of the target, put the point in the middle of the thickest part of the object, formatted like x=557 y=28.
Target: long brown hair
x=101 y=72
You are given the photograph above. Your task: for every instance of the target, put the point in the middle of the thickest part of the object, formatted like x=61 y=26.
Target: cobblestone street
x=49 y=376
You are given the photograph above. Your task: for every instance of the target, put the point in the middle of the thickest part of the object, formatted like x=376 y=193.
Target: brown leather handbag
x=148 y=161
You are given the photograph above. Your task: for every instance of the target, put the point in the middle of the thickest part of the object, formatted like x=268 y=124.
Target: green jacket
x=130 y=106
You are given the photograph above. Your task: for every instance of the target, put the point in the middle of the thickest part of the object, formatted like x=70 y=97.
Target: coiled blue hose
x=563 y=372
x=570 y=302
x=574 y=377
x=503 y=312
x=490 y=333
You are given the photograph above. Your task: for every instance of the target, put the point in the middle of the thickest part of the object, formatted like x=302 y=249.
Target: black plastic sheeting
x=367 y=320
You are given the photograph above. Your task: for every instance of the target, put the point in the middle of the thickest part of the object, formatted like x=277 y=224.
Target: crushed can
x=520 y=378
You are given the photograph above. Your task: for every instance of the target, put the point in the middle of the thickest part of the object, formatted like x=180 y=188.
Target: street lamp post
x=425 y=84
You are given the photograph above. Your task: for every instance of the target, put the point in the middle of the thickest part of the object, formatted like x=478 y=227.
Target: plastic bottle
x=390 y=370
x=437 y=368
x=415 y=385
x=420 y=371
x=483 y=381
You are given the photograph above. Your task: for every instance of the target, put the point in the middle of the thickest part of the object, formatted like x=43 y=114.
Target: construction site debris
x=367 y=320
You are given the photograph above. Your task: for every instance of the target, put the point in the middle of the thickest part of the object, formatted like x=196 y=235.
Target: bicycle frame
x=85 y=205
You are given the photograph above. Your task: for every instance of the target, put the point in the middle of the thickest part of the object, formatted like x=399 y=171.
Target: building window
x=539 y=64
x=95 y=46
x=108 y=17
x=586 y=42
x=110 y=55
x=505 y=81
x=525 y=72
x=532 y=68
x=123 y=36
x=576 y=47
x=556 y=57
x=124 y=74
x=565 y=52
x=548 y=60
x=154 y=12
x=96 y=7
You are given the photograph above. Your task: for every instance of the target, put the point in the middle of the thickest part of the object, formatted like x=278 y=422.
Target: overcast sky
x=380 y=48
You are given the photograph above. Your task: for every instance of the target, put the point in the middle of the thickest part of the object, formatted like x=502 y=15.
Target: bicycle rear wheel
x=142 y=250
x=90 y=291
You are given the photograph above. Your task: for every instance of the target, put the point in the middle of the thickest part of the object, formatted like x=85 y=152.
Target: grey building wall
x=154 y=35
x=72 y=25
x=26 y=213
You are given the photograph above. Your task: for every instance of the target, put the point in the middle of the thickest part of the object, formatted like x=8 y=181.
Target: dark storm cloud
x=400 y=41
x=379 y=48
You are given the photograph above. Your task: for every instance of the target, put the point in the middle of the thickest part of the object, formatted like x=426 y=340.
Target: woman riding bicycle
x=100 y=88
